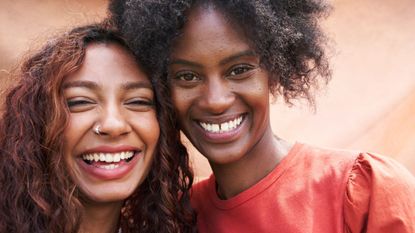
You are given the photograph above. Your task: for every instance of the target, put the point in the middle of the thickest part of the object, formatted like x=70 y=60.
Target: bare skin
x=217 y=80
x=112 y=133
x=101 y=218
x=233 y=178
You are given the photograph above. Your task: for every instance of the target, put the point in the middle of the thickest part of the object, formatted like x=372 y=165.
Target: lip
x=224 y=137
x=110 y=174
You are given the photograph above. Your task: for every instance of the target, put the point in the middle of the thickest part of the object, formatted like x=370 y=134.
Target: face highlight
x=220 y=92
x=111 y=93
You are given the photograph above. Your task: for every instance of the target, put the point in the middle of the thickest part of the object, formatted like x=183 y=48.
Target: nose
x=113 y=122
x=216 y=96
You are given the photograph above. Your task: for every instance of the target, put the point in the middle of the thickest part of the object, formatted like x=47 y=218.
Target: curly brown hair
x=284 y=33
x=37 y=193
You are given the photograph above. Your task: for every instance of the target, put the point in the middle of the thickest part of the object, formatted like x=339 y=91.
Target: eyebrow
x=185 y=62
x=80 y=83
x=137 y=85
x=247 y=53
x=94 y=86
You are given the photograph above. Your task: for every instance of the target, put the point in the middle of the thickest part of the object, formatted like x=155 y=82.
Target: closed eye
x=139 y=104
x=79 y=104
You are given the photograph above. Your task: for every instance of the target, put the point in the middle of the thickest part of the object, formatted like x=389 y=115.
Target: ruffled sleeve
x=380 y=197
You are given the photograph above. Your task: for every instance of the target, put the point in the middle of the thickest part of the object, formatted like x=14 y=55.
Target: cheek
x=147 y=128
x=72 y=136
x=77 y=126
x=182 y=100
x=259 y=95
x=256 y=91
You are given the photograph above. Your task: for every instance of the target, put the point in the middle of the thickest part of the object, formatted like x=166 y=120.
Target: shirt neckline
x=257 y=188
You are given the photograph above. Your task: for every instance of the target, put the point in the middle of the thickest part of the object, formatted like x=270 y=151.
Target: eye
x=240 y=70
x=79 y=104
x=187 y=77
x=139 y=104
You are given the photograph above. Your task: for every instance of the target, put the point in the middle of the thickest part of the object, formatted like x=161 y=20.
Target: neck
x=101 y=217
x=238 y=176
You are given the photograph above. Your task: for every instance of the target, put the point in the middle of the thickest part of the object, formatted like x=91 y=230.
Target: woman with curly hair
x=87 y=145
x=222 y=60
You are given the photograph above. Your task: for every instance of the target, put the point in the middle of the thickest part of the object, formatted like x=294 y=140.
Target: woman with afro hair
x=87 y=145
x=221 y=61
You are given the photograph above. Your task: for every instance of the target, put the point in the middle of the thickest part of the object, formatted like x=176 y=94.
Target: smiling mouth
x=108 y=161
x=224 y=127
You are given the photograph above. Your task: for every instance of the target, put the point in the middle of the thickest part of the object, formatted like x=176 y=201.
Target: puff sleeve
x=379 y=197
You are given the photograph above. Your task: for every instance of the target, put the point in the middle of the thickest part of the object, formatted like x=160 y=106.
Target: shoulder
x=322 y=154
x=202 y=185
x=323 y=162
x=200 y=191
x=378 y=176
x=379 y=196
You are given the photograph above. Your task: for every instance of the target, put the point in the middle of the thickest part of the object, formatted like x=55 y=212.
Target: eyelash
x=82 y=104
x=245 y=68
x=235 y=71
x=186 y=73
x=140 y=102
x=74 y=103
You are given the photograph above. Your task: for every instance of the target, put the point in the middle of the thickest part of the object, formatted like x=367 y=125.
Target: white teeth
x=117 y=158
x=108 y=157
x=223 y=127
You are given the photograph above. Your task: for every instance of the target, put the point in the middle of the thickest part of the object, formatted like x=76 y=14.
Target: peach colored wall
x=369 y=105
x=28 y=23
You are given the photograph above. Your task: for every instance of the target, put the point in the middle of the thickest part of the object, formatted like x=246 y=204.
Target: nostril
x=115 y=128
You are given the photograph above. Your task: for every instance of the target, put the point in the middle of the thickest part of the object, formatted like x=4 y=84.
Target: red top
x=315 y=190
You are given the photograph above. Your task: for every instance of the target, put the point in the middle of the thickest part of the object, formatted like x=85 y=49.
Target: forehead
x=208 y=29
x=108 y=62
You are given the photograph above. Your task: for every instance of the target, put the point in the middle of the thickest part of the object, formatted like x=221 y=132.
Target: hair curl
x=37 y=193
x=284 y=33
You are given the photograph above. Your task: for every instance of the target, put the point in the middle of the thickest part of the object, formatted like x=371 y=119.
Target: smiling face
x=109 y=91
x=219 y=90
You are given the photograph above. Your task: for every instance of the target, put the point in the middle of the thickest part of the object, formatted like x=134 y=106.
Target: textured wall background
x=369 y=105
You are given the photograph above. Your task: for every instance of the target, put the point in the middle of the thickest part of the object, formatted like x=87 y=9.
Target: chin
x=103 y=196
x=223 y=155
x=223 y=158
